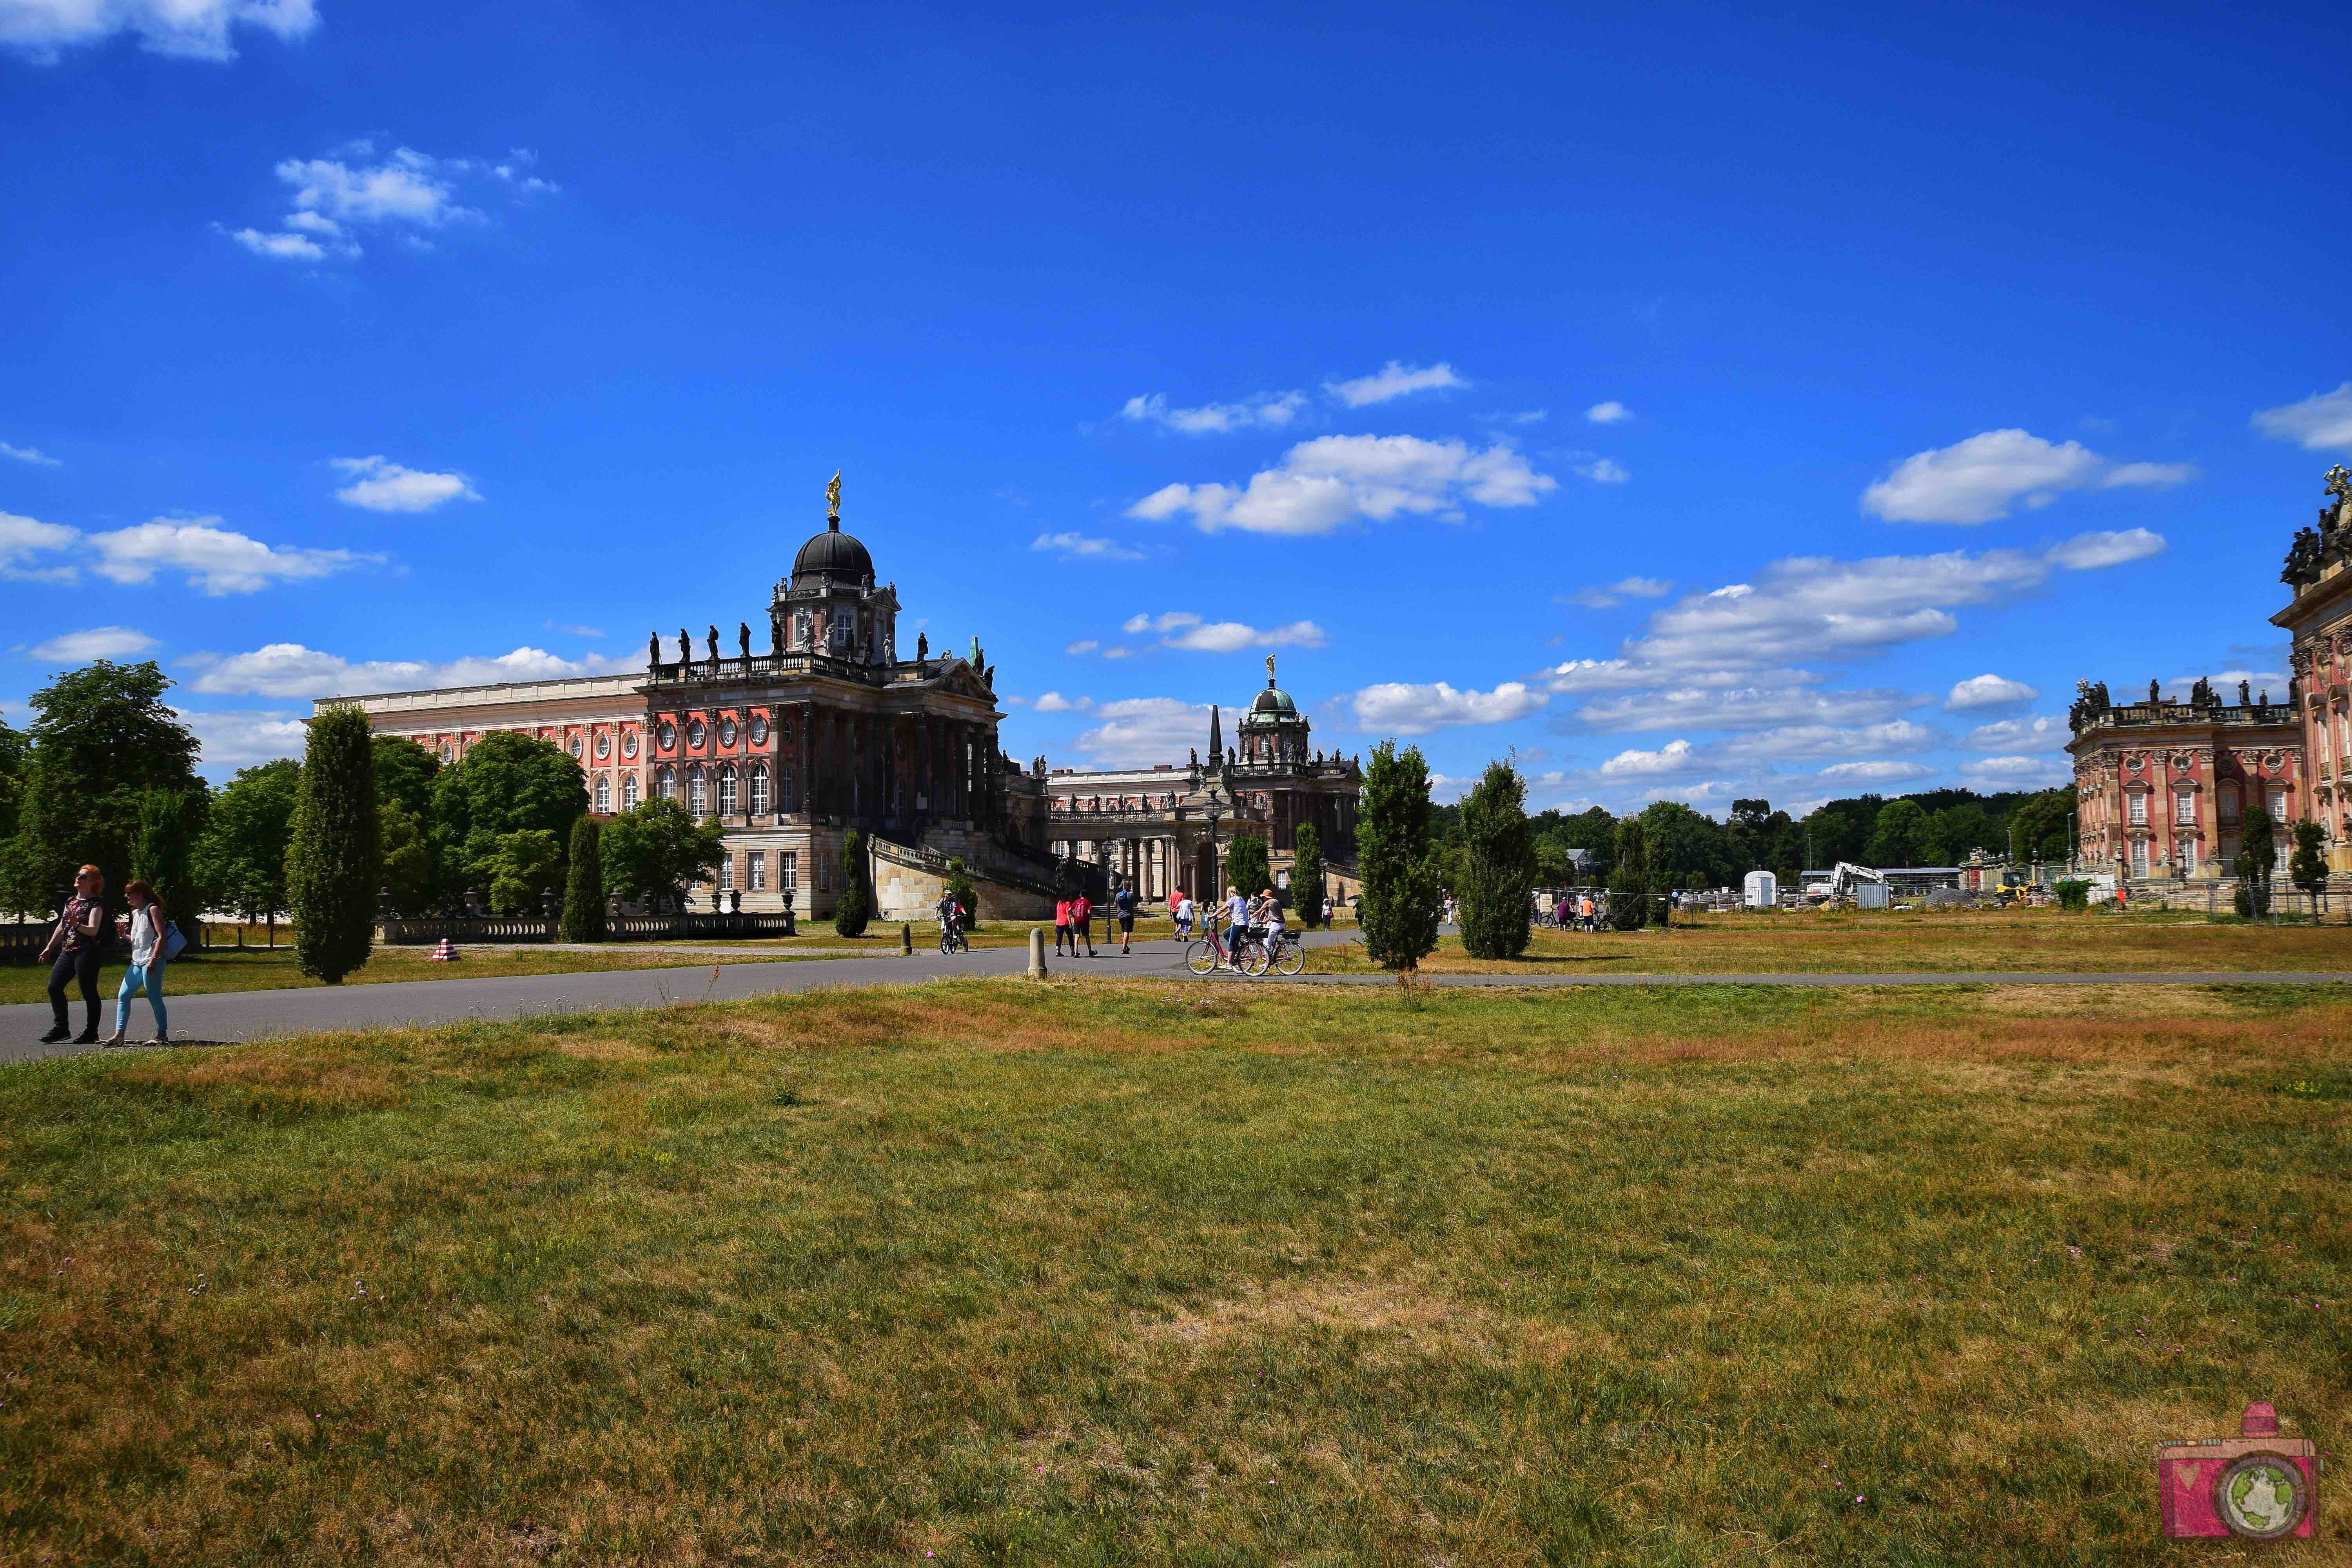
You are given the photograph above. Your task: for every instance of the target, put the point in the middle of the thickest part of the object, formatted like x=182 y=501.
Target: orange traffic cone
x=444 y=953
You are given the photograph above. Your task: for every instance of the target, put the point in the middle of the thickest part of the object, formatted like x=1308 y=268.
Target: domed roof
x=1273 y=699
x=834 y=554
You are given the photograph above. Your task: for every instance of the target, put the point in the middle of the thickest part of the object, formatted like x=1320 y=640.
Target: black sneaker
x=54 y=1036
x=88 y=1038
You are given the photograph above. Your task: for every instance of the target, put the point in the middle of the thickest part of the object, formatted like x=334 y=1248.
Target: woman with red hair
x=75 y=947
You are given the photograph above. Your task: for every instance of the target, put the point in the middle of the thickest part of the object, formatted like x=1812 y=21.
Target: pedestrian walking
x=73 y=951
x=1181 y=911
x=1124 y=901
x=1327 y=911
x=151 y=935
x=1061 y=928
x=1082 y=923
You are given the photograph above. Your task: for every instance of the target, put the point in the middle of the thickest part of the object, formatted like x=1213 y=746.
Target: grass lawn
x=1112 y=1273
x=2034 y=940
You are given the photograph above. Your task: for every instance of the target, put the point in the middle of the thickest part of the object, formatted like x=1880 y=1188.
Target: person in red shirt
x=1061 y=928
x=1082 y=916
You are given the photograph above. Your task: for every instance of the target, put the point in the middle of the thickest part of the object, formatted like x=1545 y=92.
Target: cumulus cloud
x=405 y=192
x=1408 y=709
x=1610 y=412
x=1978 y=479
x=382 y=485
x=290 y=669
x=230 y=739
x=1082 y=547
x=23 y=538
x=1792 y=743
x=2018 y=734
x=1393 y=380
x=2089 y=551
x=1334 y=479
x=1140 y=731
x=2320 y=422
x=1054 y=702
x=1266 y=411
x=99 y=642
x=1602 y=471
x=32 y=455
x=1083 y=645
x=1616 y=593
x=1744 y=708
x=219 y=560
x=188 y=29
x=2018 y=773
x=1673 y=757
x=1988 y=690
x=1184 y=629
x=1876 y=773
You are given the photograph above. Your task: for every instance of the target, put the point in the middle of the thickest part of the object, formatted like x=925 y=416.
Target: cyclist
x=1266 y=917
x=1237 y=926
x=952 y=918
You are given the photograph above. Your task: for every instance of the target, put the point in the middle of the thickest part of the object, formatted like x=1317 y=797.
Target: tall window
x=698 y=792
x=2139 y=807
x=2278 y=808
x=788 y=791
x=2185 y=856
x=2227 y=798
x=727 y=791
x=604 y=793
x=628 y=792
x=788 y=873
x=2139 y=857
x=726 y=871
x=664 y=782
x=2184 y=808
x=756 y=882
x=760 y=791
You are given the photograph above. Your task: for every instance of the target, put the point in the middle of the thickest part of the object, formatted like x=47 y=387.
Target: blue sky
x=1702 y=403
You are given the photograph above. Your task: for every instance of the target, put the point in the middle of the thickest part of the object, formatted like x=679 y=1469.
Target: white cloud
x=2017 y=734
x=1137 y=731
x=1810 y=741
x=1978 y=479
x=1390 y=381
x=23 y=538
x=30 y=454
x=289 y=669
x=189 y=29
x=1876 y=773
x=99 y=642
x=1079 y=546
x=1054 y=702
x=1600 y=471
x=1747 y=708
x=1331 y=479
x=1673 y=757
x=1402 y=709
x=382 y=485
x=285 y=246
x=1603 y=598
x=1184 y=629
x=1266 y=411
x=2089 y=551
x=1610 y=412
x=2018 y=773
x=405 y=192
x=1988 y=690
x=1083 y=645
x=2320 y=422
x=217 y=560
x=233 y=739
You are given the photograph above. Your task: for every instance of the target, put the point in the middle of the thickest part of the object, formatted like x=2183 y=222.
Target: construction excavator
x=1843 y=890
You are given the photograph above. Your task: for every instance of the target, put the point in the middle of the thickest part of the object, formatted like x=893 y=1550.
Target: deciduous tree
x=522 y=868
x=505 y=783
x=1245 y=865
x=657 y=848
x=242 y=858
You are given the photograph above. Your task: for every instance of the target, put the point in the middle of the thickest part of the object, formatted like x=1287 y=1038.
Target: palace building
x=1168 y=826
x=827 y=732
x=2318 y=573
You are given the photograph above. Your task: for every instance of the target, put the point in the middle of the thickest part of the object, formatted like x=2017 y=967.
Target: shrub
x=1498 y=884
x=1398 y=907
x=854 y=909
x=2074 y=893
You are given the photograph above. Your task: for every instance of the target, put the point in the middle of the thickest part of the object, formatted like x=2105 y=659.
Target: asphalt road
x=250 y=1015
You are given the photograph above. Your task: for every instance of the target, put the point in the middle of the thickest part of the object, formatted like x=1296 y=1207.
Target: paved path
x=249 y=1014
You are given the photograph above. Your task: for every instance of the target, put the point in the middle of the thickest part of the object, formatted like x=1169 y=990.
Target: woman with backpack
x=150 y=933
x=75 y=947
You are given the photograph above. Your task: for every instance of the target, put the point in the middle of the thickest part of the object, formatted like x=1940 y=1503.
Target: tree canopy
x=1398 y=909
x=242 y=859
x=105 y=767
x=504 y=784
x=655 y=849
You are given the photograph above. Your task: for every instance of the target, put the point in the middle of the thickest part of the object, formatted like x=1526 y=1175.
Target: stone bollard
x=905 y=939
x=1036 y=952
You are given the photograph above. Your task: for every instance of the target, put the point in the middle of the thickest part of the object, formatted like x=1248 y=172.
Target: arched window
x=664 y=782
x=727 y=729
x=603 y=793
x=628 y=792
x=758 y=792
x=698 y=792
x=694 y=733
x=788 y=791
x=726 y=792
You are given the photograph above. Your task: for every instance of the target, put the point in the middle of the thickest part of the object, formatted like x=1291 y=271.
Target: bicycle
x=952 y=940
x=1287 y=955
x=1206 y=953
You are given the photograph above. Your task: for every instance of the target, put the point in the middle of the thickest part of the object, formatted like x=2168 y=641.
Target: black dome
x=1273 y=699
x=835 y=555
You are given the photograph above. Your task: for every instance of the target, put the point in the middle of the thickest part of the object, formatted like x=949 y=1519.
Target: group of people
x=1576 y=912
x=84 y=933
x=1245 y=917
x=1073 y=922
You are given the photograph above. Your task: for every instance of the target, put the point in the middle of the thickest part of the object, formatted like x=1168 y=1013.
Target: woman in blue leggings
x=146 y=971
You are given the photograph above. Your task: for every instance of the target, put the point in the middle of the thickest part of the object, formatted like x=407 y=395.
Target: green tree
x=505 y=783
x=102 y=739
x=332 y=865
x=242 y=858
x=1498 y=882
x=657 y=848
x=1307 y=878
x=1629 y=877
x=1398 y=907
x=2257 y=852
x=405 y=772
x=854 y=908
x=959 y=887
x=405 y=858
x=583 y=893
x=1245 y=865
x=1683 y=844
x=2039 y=828
x=1839 y=830
x=2308 y=868
x=166 y=854
x=1901 y=836
x=521 y=869
x=14 y=749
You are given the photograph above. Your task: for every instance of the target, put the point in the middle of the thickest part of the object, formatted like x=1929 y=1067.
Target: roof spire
x=1216 y=737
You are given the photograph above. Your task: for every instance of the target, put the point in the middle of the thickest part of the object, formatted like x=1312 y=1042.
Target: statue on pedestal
x=923 y=646
x=653 y=648
x=714 y=644
x=685 y=647
x=743 y=636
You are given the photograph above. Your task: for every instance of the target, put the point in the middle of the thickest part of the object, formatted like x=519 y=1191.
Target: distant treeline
x=1690 y=849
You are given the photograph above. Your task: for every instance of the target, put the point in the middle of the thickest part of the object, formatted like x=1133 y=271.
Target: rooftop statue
x=833 y=502
x=743 y=636
x=685 y=647
x=653 y=648
x=714 y=643
x=2245 y=694
x=2302 y=559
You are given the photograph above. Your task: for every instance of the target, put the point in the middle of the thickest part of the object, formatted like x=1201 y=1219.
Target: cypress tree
x=1498 y=889
x=1307 y=875
x=1399 y=906
x=583 y=890
x=1245 y=865
x=331 y=865
x=2257 y=852
x=1629 y=881
x=852 y=908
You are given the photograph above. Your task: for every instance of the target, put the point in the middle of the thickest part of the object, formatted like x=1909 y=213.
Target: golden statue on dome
x=1269 y=669
x=833 y=502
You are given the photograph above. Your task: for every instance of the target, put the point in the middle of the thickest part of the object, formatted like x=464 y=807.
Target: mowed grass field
x=1909 y=942
x=992 y=1272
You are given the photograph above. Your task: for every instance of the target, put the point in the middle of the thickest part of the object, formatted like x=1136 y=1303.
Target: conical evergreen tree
x=1399 y=906
x=853 y=910
x=1307 y=874
x=1499 y=883
x=331 y=865
x=583 y=888
x=1629 y=881
x=1245 y=865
